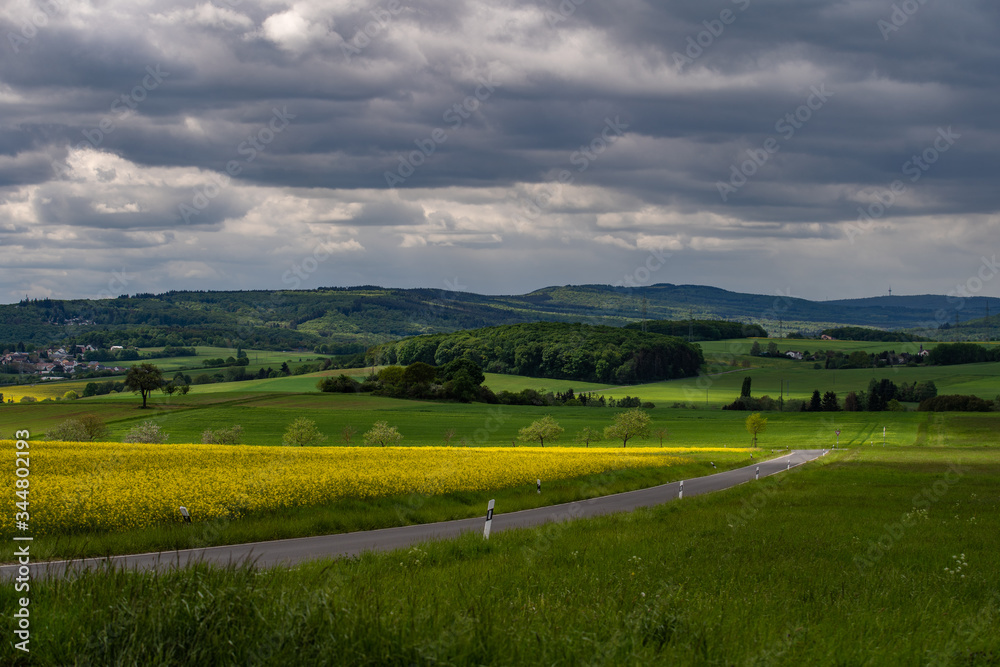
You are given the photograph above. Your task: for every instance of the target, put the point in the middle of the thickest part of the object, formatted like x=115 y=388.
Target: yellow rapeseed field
x=118 y=486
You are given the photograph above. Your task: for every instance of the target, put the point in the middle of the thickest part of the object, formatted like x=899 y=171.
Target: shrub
x=71 y=395
x=224 y=436
x=28 y=399
x=146 y=432
x=69 y=431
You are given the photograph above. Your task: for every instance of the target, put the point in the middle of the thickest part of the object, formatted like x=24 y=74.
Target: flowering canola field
x=119 y=486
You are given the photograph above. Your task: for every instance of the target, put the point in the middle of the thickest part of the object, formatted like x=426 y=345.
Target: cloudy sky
x=499 y=146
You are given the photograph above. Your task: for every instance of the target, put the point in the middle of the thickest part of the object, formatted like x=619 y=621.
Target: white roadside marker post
x=538 y=484
x=185 y=514
x=680 y=491
x=757 y=474
x=489 y=520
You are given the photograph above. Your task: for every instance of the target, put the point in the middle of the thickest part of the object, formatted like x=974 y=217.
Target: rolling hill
x=335 y=320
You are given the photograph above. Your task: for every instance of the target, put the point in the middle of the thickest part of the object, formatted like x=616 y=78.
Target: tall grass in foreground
x=881 y=558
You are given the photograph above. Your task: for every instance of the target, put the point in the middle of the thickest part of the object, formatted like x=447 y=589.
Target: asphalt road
x=297 y=550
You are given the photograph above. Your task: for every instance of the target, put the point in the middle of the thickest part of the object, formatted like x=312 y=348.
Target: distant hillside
x=352 y=319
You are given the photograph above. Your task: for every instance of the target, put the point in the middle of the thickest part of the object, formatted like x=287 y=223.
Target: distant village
x=57 y=364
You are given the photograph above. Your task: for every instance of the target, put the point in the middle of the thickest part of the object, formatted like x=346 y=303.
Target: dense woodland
x=554 y=350
x=693 y=330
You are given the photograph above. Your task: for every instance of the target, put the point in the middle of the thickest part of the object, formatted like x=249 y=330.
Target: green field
x=688 y=409
x=867 y=557
x=800 y=379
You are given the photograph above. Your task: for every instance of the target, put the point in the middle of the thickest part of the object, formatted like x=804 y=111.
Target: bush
x=302 y=433
x=88 y=428
x=224 y=436
x=28 y=399
x=71 y=395
x=69 y=431
x=146 y=432
x=341 y=384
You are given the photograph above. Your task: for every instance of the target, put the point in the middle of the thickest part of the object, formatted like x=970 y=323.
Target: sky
x=821 y=149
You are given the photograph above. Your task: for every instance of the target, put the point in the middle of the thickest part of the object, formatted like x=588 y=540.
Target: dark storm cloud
x=739 y=119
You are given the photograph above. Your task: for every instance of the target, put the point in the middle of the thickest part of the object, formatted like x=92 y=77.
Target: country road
x=297 y=550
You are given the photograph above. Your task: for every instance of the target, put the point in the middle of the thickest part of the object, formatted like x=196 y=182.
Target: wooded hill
x=554 y=350
x=348 y=320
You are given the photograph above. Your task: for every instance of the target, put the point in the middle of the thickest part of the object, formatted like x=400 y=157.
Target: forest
x=555 y=350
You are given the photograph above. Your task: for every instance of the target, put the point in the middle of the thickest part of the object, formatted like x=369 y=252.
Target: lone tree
x=661 y=433
x=629 y=424
x=143 y=379
x=382 y=434
x=745 y=389
x=755 y=425
x=302 y=433
x=539 y=430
